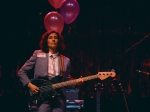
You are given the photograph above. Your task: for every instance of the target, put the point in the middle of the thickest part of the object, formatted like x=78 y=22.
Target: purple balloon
x=69 y=10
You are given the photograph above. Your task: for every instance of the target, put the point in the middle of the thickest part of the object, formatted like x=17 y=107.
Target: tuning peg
x=102 y=85
x=112 y=70
x=99 y=86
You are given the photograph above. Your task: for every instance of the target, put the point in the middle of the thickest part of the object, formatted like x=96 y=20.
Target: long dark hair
x=43 y=42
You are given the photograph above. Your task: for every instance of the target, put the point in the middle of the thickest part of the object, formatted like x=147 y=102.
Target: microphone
x=139 y=71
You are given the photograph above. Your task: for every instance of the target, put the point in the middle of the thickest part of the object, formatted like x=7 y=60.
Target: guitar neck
x=98 y=99
x=72 y=82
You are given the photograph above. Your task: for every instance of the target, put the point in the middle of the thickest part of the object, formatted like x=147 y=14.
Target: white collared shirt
x=50 y=65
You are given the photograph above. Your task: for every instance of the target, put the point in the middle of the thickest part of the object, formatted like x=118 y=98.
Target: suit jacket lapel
x=47 y=60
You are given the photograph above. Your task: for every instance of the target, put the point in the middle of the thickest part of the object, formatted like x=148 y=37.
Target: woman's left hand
x=79 y=81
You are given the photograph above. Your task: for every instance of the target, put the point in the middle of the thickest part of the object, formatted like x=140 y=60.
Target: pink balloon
x=54 y=21
x=69 y=10
x=56 y=3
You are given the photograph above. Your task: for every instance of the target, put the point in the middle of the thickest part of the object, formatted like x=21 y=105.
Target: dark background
x=96 y=41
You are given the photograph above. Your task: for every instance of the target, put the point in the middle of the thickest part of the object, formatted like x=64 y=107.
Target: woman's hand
x=80 y=81
x=34 y=89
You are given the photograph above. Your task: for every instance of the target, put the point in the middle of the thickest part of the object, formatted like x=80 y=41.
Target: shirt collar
x=54 y=55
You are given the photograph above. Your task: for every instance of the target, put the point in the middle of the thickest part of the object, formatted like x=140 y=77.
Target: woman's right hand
x=34 y=89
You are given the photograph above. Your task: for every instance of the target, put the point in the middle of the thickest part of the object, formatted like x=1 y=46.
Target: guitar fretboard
x=72 y=82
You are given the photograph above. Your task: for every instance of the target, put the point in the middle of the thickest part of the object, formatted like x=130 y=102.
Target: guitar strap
x=61 y=58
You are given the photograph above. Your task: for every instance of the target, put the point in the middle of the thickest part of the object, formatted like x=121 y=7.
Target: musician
x=46 y=63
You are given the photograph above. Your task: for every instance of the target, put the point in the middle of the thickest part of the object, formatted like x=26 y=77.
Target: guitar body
x=46 y=91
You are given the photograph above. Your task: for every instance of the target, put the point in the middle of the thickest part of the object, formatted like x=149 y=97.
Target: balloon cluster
x=69 y=10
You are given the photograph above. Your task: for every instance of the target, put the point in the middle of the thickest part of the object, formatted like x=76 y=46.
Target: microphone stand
x=134 y=45
x=124 y=97
x=119 y=88
x=133 y=66
x=134 y=58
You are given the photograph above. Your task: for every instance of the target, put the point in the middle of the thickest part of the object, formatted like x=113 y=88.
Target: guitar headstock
x=105 y=75
x=99 y=86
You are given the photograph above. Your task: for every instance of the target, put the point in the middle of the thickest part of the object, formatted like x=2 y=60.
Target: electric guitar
x=48 y=88
x=98 y=87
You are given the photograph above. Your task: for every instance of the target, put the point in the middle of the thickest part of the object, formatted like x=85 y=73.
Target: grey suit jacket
x=39 y=61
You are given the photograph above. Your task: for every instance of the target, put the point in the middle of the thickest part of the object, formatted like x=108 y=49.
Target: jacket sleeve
x=29 y=64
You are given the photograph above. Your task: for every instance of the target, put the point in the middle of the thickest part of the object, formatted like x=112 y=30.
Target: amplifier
x=75 y=106
x=72 y=95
